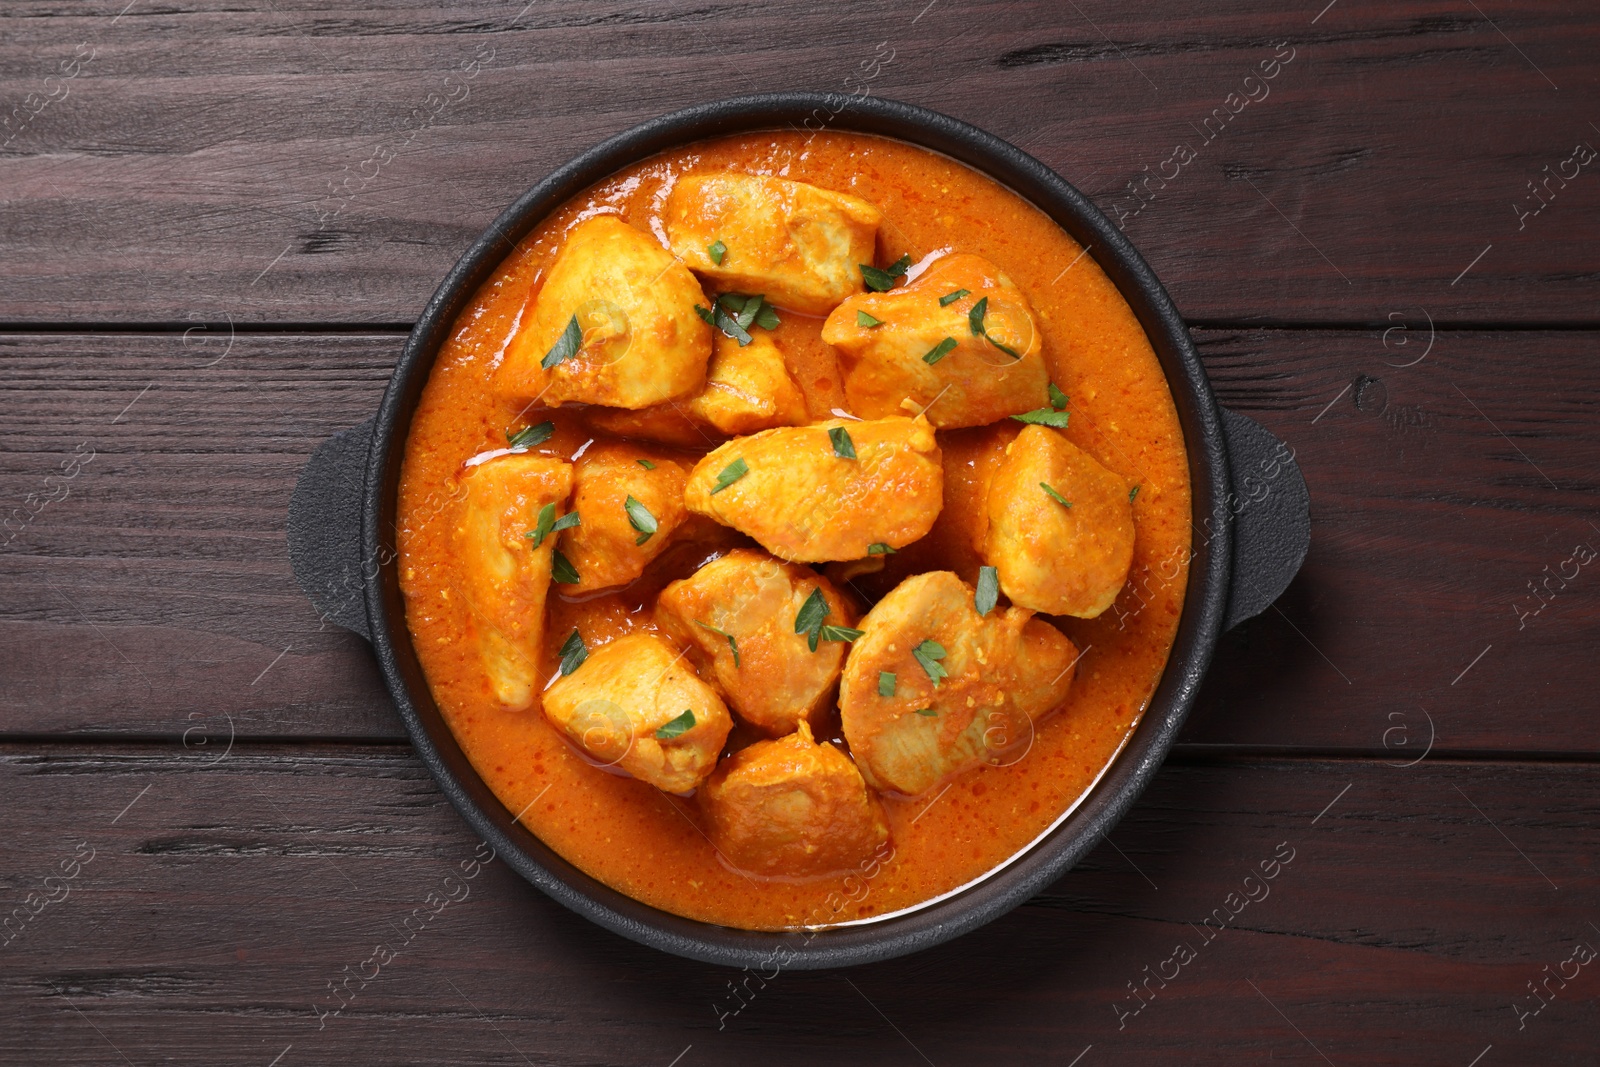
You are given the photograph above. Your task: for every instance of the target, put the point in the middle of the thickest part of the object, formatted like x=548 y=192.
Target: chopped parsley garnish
x=808 y=620
x=950 y=298
x=1007 y=349
x=747 y=309
x=886 y=683
x=1045 y=417
x=640 y=519
x=730 y=474
x=732 y=644
x=882 y=279
x=647 y=465
x=975 y=320
x=1058 y=399
x=863 y=319
x=988 y=590
x=939 y=351
x=530 y=436
x=735 y=313
x=720 y=319
x=843 y=447
x=573 y=653
x=549 y=524
x=566 y=345
x=677 y=727
x=929 y=712
x=975 y=316
x=1057 y=497
x=562 y=571
x=716 y=250
x=1133 y=493
x=928 y=654
x=878 y=548
x=841 y=633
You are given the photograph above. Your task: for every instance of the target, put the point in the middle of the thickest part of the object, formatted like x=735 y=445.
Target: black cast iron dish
x=1251 y=532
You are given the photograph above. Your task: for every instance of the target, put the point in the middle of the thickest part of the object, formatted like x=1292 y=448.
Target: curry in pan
x=793 y=528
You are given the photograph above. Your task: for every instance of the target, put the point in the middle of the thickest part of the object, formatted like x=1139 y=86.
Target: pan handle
x=1271 y=517
x=325 y=528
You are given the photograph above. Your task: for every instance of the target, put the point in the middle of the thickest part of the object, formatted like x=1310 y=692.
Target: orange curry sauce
x=648 y=844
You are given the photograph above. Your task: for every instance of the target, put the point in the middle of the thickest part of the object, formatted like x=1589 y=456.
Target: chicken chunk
x=748 y=388
x=635 y=705
x=616 y=540
x=641 y=341
x=956 y=541
x=799 y=245
x=505 y=578
x=793 y=808
x=737 y=616
x=793 y=491
x=1066 y=556
x=914 y=349
x=932 y=688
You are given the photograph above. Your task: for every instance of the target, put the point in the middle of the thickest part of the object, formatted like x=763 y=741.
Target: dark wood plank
x=225 y=895
x=161 y=579
x=1445 y=594
x=154 y=582
x=305 y=162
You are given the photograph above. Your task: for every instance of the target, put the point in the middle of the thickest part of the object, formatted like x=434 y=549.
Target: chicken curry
x=793 y=528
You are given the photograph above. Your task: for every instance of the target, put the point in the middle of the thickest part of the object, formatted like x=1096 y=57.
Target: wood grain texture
x=301 y=162
x=160 y=587
x=225 y=895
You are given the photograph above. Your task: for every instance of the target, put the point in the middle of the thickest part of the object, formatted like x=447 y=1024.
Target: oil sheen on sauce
x=648 y=844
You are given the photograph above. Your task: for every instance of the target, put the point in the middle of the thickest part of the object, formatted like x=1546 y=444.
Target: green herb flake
x=530 y=436
x=808 y=620
x=716 y=250
x=677 y=727
x=988 y=590
x=950 y=298
x=743 y=307
x=1058 y=399
x=718 y=317
x=730 y=474
x=1133 y=493
x=566 y=345
x=886 y=683
x=746 y=310
x=841 y=633
x=549 y=524
x=640 y=519
x=975 y=316
x=732 y=644
x=1007 y=349
x=573 y=653
x=843 y=447
x=929 y=712
x=1045 y=417
x=863 y=319
x=562 y=571
x=878 y=548
x=939 y=351
x=975 y=321
x=928 y=654
x=882 y=279
x=647 y=465
x=1057 y=497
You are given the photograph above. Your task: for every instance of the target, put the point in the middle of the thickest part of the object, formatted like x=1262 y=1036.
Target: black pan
x=1251 y=532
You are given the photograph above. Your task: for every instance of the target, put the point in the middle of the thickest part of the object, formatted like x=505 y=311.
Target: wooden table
x=218 y=223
